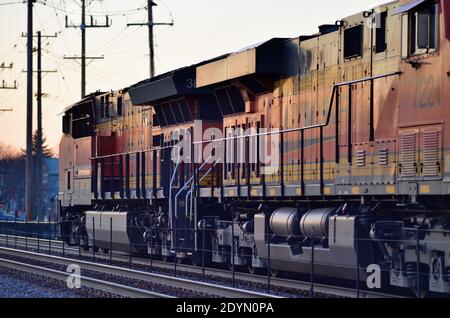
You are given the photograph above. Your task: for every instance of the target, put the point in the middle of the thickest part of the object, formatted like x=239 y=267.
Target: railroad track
x=197 y=288
x=283 y=283
x=97 y=284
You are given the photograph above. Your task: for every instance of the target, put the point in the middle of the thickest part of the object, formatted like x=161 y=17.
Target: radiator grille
x=430 y=161
x=361 y=158
x=383 y=157
x=408 y=159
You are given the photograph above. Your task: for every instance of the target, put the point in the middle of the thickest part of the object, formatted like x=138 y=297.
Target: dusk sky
x=203 y=29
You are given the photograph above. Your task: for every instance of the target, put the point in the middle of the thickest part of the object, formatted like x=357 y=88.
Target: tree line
x=12 y=174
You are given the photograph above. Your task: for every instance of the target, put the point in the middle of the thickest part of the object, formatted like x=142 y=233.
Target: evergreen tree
x=46 y=151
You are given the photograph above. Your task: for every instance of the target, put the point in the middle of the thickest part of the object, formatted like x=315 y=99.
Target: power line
x=114 y=41
x=10 y=51
x=83 y=27
x=93 y=13
x=10 y=3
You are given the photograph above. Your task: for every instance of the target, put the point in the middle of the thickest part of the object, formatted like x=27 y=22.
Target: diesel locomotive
x=352 y=119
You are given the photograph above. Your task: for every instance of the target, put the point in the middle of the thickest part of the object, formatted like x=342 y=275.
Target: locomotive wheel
x=274 y=273
x=411 y=272
x=237 y=268
x=195 y=261
x=166 y=259
x=423 y=294
x=253 y=270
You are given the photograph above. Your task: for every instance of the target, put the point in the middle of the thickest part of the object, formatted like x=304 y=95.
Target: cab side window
x=66 y=124
x=353 y=42
x=120 y=106
x=423 y=33
x=380 y=43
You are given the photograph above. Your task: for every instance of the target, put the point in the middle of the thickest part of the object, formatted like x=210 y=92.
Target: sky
x=203 y=29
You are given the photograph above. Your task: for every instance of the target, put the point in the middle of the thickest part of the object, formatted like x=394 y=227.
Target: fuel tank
x=315 y=222
x=285 y=222
x=99 y=225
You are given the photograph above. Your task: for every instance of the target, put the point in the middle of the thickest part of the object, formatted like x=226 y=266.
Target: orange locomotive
x=353 y=119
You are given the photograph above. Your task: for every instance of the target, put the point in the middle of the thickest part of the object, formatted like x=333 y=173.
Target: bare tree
x=12 y=169
x=8 y=152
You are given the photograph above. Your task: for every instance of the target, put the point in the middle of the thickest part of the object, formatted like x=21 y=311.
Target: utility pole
x=39 y=176
x=2 y=110
x=83 y=57
x=39 y=155
x=4 y=84
x=151 y=43
x=7 y=86
x=29 y=153
x=6 y=67
x=39 y=170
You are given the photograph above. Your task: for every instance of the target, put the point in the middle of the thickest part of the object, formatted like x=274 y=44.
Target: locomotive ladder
x=191 y=186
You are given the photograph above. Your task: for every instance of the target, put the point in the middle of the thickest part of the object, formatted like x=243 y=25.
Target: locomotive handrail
x=174 y=238
x=185 y=186
x=333 y=101
x=274 y=132
x=335 y=92
x=132 y=152
x=170 y=194
x=189 y=194
x=283 y=131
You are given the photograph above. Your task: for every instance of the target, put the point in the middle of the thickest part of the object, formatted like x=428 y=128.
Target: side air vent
x=408 y=158
x=430 y=155
x=383 y=157
x=361 y=158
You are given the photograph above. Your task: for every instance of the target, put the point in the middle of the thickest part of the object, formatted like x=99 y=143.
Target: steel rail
x=174 y=282
x=329 y=289
x=113 y=288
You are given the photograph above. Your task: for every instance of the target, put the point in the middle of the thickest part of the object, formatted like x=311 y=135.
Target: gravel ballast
x=18 y=284
x=14 y=286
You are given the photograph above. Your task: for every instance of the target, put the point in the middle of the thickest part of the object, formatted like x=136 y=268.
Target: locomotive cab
x=78 y=124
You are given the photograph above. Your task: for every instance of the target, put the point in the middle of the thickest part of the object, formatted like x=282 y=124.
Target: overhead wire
x=98 y=73
x=10 y=3
x=88 y=12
